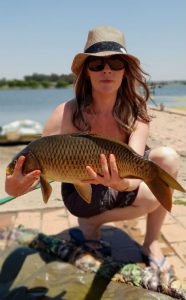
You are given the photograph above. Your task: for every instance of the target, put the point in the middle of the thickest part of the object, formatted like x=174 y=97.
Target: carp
x=64 y=158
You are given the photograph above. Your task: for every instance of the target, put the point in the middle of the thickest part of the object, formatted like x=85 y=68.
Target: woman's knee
x=167 y=158
x=145 y=200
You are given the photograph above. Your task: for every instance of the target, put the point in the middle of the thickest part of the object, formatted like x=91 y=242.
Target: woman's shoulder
x=67 y=105
x=60 y=120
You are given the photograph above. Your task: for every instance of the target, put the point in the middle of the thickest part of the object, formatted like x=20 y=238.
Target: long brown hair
x=131 y=101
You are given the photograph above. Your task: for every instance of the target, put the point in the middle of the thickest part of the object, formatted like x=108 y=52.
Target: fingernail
x=112 y=156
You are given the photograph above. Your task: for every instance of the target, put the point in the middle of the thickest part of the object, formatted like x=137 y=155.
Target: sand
x=167 y=129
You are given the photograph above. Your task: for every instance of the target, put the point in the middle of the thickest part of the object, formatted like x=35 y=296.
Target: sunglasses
x=97 y=64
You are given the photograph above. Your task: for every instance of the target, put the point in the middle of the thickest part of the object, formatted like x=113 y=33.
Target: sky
x=43 y=36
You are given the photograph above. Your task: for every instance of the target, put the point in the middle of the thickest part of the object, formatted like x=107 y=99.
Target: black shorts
x=103 y=198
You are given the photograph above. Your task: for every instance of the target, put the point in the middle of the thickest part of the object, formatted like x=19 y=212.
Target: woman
x=111 y=95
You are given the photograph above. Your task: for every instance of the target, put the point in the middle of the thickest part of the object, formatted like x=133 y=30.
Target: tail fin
x=170 y=181
x=161 y=191
x=161 y=184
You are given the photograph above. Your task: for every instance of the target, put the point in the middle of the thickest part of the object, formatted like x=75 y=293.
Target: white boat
x=20 y=131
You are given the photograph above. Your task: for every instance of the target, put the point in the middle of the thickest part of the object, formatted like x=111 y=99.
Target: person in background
x=111 y=96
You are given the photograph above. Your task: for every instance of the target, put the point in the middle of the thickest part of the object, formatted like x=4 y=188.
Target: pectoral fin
x=84 y=190
x=45 y=188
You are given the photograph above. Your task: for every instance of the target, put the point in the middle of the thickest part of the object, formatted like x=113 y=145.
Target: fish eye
x=14 y=161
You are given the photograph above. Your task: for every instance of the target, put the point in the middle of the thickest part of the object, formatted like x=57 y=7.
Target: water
x=171 y=90
x=169 y=95
x=38 y=104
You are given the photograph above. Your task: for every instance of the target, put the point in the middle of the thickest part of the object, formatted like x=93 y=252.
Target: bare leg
x=168 y=160
x=145 y=203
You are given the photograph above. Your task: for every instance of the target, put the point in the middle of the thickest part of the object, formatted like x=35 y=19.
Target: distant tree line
x=39 y=81
x=166 y=82
x=59 y=81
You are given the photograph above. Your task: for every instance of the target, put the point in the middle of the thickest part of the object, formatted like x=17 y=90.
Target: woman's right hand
x=18 y=184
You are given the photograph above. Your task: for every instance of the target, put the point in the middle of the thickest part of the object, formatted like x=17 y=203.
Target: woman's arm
x=137 y=141
x=18 y=184
x=54 y=122
x=60 y=121
x=138 y=138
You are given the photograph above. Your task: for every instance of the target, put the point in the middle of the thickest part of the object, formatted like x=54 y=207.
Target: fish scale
x=65 y=157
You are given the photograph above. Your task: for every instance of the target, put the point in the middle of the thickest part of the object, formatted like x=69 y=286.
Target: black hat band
x=106 y=46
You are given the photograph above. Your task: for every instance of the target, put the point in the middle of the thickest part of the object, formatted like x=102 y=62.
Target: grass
x=173 y=98
x=181 y=101
x=179 y=202
x=180 y=107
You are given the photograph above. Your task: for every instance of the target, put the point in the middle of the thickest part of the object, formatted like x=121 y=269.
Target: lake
x=38 y=104
x=169 y=95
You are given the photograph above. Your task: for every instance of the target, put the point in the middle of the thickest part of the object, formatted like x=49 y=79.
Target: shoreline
x=169 y=110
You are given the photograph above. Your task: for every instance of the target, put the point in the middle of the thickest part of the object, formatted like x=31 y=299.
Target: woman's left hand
x=110 y=176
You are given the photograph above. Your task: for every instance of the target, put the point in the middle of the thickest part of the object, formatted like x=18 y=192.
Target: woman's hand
x=110 y=176
x=18 y=184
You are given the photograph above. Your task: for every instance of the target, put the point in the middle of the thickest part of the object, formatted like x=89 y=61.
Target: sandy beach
x=167 y=128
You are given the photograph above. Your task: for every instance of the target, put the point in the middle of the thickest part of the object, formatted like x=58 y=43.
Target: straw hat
x=102 y=41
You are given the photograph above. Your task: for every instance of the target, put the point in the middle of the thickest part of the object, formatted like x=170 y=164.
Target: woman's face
x=106 y=74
